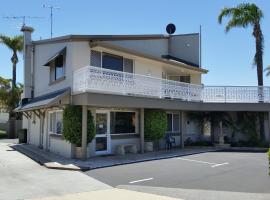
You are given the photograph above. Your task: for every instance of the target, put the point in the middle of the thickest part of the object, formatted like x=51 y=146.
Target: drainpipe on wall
x=27 y=57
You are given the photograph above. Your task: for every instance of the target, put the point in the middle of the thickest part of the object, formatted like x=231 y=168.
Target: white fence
x=102 y=80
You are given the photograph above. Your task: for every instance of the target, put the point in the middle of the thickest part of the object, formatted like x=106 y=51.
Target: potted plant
x=155 y=126
x=72 y=127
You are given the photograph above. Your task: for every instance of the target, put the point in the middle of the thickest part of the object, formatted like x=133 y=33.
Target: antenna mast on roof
x=200 y=61
x=51 y=15
x=23 y=18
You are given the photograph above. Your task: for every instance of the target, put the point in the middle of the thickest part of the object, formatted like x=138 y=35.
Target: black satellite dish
x=170 y=29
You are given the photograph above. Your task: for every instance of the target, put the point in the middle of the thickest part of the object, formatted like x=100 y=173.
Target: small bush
x=72 y=125
x=155 y=124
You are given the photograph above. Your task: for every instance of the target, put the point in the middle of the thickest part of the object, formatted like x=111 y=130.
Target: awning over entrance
x=61 y=52
x=45 y=101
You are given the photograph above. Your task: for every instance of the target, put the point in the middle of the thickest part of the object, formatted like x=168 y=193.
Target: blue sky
x=228 y=57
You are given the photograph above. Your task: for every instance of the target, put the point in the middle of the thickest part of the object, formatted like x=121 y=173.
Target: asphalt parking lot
x=215 y=171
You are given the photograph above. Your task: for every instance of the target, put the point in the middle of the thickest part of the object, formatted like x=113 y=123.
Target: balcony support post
x=183 y=129
x=268 y=127
x=84 y=132
x=142 y=130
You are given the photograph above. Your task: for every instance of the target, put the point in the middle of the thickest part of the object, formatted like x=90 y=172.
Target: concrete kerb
x=77 y=165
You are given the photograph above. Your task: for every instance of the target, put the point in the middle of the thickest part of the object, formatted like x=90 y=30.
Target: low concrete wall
x=60 y=146
x=115 y=142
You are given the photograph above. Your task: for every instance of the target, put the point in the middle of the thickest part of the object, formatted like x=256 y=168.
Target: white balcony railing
x=102 y=80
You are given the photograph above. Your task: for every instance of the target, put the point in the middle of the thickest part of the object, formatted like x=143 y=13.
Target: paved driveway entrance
x=22 y=178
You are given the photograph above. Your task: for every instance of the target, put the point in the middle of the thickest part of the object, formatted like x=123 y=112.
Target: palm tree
x=267 y=70
x=244 y=15
x=15 y=44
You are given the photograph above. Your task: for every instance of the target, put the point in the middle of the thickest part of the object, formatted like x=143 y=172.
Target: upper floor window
x=110 y=61
x=185 y=79
x=57 y=65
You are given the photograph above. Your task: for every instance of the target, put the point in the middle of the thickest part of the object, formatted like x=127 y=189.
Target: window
x=123 y=122
x=128 y=65
x=173 y=122
x=95 y=59
x=57 y=68
x=110 y=61
x=185 y=79
x=56 y=122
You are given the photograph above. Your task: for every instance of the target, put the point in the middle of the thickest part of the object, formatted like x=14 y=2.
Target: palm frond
x=267 y=70
x=13 y=43
x=241 y=16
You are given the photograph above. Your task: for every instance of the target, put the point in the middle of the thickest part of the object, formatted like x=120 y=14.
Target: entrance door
x=102 y=132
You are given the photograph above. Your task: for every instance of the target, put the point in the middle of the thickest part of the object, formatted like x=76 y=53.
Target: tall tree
x=244 y=15
x=15 y=44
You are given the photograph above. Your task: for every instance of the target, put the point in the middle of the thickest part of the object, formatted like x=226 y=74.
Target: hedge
x=72 y=125
x=155 y=124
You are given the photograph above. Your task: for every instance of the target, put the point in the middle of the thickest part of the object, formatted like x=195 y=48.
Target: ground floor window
x=56 y=122
x=122 y=122
x=173 y=122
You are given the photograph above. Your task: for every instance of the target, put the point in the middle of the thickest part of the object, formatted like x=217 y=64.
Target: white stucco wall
x=3 y=117
x=44 y=52
x=33 y=132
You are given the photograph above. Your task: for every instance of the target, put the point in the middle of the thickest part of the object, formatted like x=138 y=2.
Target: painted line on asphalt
x=217 y=165
x=141 y=180
x=204 y=162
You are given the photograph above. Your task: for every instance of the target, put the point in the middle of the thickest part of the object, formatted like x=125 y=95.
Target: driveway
x=206 y=175
x=21 y=178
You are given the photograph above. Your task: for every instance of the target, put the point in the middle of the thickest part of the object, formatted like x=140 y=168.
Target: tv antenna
x=51 y=15
x=23 y=18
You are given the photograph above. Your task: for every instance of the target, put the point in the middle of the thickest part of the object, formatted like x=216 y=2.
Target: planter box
x=78 y=152
x=148 y=146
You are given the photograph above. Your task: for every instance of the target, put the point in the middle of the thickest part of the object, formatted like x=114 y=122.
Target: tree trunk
x=259 y=52
x=257 y=33
x=14 y=76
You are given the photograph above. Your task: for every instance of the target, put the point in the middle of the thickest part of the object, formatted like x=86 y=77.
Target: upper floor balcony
x=100 y=80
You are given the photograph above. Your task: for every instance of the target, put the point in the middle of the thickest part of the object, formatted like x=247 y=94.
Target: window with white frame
x=110 y=61
x=173 y=122
x=56 y=122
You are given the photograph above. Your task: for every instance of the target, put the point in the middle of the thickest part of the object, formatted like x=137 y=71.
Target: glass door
x=102 y=132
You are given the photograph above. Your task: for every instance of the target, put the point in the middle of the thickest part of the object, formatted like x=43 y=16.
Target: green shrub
x=155 y=124
x=72 y=125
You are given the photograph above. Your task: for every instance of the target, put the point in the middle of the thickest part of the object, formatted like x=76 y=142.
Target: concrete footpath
x=117 y=194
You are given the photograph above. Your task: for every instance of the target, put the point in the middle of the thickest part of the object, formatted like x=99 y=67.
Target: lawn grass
x=3 y=134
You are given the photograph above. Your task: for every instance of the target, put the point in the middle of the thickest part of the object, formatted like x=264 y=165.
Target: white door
x=102 y=132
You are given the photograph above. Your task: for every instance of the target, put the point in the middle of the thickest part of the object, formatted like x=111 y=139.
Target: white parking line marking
x=217 y=165
x=204 y=162
x=141 y=180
